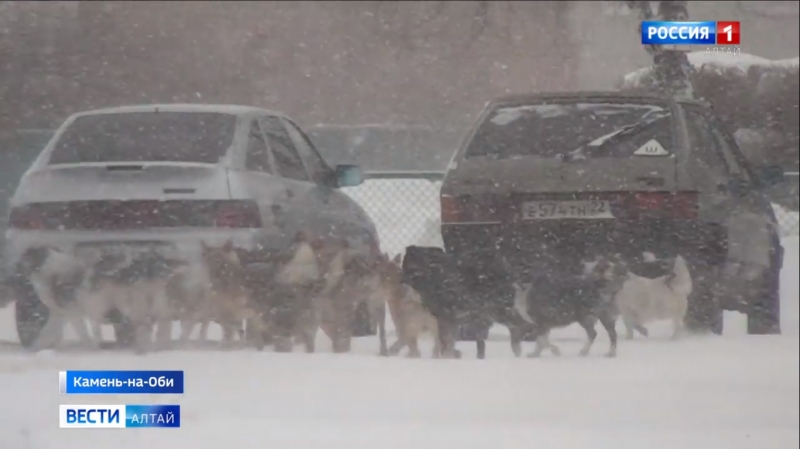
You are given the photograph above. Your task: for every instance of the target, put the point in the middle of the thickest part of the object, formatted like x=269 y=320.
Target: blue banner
x=73 y=416
x=679 y=33
x=120 y=382
x=138 y=416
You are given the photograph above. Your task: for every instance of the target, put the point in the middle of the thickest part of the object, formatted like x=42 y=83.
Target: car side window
x=705 y=149
x=318 y=167
x=257 y=157
x=288 y=161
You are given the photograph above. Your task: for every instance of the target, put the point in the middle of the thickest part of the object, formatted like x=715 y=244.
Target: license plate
x=557 y=210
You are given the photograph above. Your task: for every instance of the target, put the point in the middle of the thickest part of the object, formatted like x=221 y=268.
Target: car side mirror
x=348 y=175
x=770 y=175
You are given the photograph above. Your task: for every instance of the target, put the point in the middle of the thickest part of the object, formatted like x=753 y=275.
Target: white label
x=651 y=148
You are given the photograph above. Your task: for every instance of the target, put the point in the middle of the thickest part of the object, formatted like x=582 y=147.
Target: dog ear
x=397 y=259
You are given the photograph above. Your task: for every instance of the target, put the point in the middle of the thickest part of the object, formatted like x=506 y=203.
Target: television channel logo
x=95 y=416
x=691 y=33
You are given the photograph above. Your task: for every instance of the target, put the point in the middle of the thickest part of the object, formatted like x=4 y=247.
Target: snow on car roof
x=188 y=107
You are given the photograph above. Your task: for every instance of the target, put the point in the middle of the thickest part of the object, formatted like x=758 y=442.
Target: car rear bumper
x=183 y=242
x=566 y=241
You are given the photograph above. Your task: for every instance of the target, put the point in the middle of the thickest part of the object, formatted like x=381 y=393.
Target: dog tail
x=681 y=280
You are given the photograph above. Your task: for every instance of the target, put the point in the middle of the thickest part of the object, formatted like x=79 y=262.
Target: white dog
x=56 y=277
x=642 y=300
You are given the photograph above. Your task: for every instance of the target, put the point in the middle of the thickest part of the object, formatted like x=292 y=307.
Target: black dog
x=463 y=295
x=554 y=301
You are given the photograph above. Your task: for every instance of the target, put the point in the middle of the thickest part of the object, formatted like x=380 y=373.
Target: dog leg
x=677 y=327
x=396 y=347
x=78 y=322
x=516 y=340
x=630 y=325
x=641 y=329
x=541 y=344
x=448 y=332
x=163 y=334
x=481 y=344
x=143 y=338
x=227 y=334
x=203 y=336
x=380 y=319
x=588 y=326
x=608 y=323
x=413 y=348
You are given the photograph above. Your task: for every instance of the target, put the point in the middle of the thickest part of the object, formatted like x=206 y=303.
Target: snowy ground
x=729 y=392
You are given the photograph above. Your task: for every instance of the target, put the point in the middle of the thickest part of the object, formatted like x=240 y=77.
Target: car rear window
x=567 y=129
x=146 y=137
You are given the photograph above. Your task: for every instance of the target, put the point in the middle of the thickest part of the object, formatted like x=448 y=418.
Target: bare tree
x=671 y=67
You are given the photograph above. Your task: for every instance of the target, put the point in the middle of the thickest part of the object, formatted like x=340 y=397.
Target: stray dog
x=350 y=278
x=139 y=291
x=56 y=277
x=409 y=316
x=551 y=302
x=283 y=284
x=642 y=300
x=229 y=302
x=476 y=295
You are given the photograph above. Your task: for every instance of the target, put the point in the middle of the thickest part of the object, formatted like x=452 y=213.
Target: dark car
x=543 y=180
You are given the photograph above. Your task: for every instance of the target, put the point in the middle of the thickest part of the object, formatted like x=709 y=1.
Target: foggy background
x=426 y=63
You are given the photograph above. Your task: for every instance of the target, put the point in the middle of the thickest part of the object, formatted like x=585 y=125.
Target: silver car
x=174 y=176
x=546 y=179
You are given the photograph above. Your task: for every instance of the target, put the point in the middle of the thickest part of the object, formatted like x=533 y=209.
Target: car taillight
x=673 y=205
x=237 y=214
x=450 y=209
x=26 y=218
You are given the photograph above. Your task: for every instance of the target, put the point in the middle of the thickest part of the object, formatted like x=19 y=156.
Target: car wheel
x=31 y=315
x=704 y=313
x=124 y=333
x=763 y=307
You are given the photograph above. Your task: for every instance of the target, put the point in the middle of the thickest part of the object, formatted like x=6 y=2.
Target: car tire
x=124 y=334
x=31 y=315
x=763 y=307
x=704 y=313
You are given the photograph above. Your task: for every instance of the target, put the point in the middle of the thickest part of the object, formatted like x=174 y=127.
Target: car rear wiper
x=598 y=143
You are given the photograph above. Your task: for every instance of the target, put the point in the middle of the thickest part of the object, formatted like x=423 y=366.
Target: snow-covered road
x=729 y=392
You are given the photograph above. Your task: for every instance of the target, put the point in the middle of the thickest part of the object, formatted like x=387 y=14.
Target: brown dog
x=410 y=317
x=350 y=279
x=284 y=284
x=229 y=302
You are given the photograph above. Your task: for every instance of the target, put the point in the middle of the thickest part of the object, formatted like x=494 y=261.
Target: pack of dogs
x=282 y=298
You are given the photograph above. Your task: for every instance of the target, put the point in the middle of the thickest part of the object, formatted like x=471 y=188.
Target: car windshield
x=558 y=130
x=146 y=136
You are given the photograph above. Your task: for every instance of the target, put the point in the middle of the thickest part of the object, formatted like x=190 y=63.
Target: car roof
x=181 y=107
x=610 y=96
